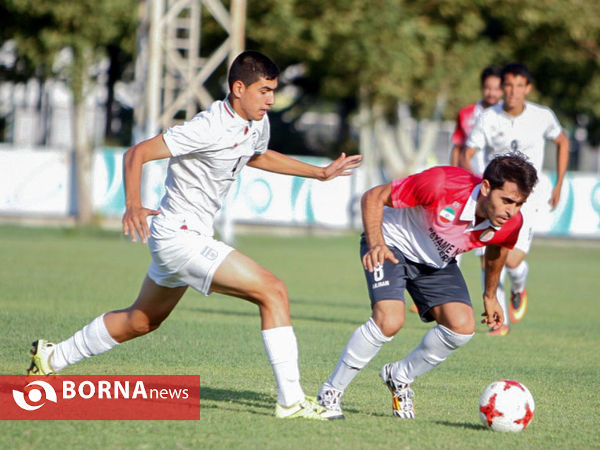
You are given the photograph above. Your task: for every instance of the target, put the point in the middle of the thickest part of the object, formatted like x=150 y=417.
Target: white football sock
x=363 y=345
x=91 y=340
x=500 y=292
x=282 y=350
x=437 y=344
x=518 y=276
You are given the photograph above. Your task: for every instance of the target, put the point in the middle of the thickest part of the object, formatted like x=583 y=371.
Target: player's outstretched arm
x=134 y=219
x=273 y=161
x=562 y=162
x=372 y=204
x=494 y=259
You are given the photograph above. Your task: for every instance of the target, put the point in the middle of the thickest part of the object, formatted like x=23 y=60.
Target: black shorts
x=428 y=286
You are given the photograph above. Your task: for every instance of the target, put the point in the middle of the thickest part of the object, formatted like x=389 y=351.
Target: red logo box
x=100 y=397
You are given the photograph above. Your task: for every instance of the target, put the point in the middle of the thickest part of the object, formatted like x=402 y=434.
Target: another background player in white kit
x=491 y=94
x=205 y=156
x=517 y=125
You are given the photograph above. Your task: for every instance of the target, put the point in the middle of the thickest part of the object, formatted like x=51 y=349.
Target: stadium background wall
x=39 y=183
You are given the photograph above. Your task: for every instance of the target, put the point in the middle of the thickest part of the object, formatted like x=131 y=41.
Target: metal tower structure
x=170 y=67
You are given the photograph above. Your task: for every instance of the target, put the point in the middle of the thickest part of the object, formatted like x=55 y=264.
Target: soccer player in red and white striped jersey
x=413 y=230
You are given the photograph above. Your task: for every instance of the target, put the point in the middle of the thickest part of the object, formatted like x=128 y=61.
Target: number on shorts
x=378 y=272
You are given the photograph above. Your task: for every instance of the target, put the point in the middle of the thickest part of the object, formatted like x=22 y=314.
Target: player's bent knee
x=140 y=324
x=389 y=326
x=454 y=339
x=273 y=294
x=466 y=326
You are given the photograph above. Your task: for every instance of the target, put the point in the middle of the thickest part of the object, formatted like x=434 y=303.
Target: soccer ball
x=506 y=405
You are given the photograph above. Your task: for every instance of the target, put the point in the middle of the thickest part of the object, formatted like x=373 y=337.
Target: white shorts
x=184 y=257
x=479 y=251
x=528 y=211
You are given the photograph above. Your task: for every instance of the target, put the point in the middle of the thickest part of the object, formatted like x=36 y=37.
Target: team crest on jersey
x=447 y=215
x=487 y=235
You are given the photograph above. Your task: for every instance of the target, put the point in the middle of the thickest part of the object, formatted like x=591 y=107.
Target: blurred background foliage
x=425 y=54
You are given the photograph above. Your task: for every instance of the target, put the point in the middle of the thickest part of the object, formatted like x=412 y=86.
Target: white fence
x=40 y=183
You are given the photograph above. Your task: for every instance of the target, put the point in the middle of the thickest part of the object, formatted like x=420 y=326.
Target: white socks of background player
x=364 y=344
x=500 y=293
x=91 y=340
x=437 y=344
x=518 y=276
x=282 y=350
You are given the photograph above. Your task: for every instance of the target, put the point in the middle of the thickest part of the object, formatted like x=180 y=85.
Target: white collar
x=234 y=115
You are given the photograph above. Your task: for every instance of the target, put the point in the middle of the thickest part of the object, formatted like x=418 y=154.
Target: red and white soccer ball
x=506 y=405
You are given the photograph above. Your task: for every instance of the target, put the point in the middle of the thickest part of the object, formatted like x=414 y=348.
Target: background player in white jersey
x=414 y=228
x=517 y=125
x=205 y=156
x=491 y=94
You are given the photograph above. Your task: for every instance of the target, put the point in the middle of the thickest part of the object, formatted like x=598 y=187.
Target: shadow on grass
x=255 y=314
x=243 y=397
x=230 y=399
x=469 y=426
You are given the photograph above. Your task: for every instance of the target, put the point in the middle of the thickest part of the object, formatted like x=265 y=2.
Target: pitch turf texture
x=55 y=281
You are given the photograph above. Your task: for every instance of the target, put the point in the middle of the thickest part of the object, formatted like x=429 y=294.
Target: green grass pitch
x=52 y=282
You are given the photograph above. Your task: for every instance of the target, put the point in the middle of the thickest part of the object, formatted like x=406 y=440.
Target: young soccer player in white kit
x=517 y=125
x=205 y=156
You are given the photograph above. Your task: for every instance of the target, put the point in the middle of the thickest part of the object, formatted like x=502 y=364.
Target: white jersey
x=208 y=153
x=497 y=132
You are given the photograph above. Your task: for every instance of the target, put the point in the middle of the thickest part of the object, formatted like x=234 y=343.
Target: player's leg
x=240 y=276
x=454 y=329
x=152 y=306
x=386 y=288
x=442 y=296
x=517 y=269
x=516 y=266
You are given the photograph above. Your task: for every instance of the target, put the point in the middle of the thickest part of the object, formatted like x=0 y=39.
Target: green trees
x=378 y=57
x=43 y=28
x=430 y=53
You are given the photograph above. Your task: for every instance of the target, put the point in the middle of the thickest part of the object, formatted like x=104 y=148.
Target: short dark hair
x=513 y=167
x=515 y=69
x=490 y=71
x=250 y=66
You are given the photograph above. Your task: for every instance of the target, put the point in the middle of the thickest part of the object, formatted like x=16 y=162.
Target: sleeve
x=419 y=189
x=458 y=137
x=513 y=232
x=476 y=138
x=263 y=141
x=189 y=137
x=553 y=128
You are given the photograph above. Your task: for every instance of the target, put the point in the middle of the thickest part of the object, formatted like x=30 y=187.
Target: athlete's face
x=499 y=205
x=515 y=89
x=255 y=99
x=491 y=91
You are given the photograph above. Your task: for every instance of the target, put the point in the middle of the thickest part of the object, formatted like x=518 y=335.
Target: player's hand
x=134 y=222
x=554 y=198
x=376 y=255
x=342 y=166
x=493 y=314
